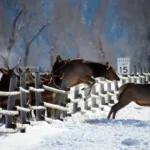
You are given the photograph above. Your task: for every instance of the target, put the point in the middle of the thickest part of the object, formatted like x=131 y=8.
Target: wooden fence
x=100 y=97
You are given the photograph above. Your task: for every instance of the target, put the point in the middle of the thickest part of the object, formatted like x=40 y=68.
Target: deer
x=79 y=71
x=47 y=96
x=131 y=92
x=5 y=81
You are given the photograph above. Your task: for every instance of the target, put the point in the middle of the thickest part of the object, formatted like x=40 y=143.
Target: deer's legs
x=53 y=112
x=48 y=112
x=110 y=112
x=115 y=108
x=90 y=82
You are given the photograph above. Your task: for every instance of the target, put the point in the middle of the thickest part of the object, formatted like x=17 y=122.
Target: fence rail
x=100 y=97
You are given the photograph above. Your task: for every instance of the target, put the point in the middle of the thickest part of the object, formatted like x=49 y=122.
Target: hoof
x=61 y=119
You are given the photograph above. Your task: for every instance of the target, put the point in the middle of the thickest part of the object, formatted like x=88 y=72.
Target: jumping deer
x=131 y=92
x=79 y=71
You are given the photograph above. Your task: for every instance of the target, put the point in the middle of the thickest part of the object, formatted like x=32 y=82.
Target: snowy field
x=88 y=130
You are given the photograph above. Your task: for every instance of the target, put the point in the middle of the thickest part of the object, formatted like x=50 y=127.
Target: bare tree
x=29 y=14
x=136 y=16
x=101 y=51
x=27 y=44
x=53 y=48
x=16 y=28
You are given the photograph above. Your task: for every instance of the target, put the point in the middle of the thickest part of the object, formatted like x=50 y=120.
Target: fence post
x=146 y=76
x=62 y=100
x=115 y=89
x=94 y=99
x=148 y=63
x=102 y=92
x=123 y=81
x=140 y=74
x=23 y=98
x=108 y=90
x=129 y=78
x=135 y=74
x=135 y=70
x=86 y=104
x=86 y=91
x=115 y=85
x=143 y=77
x=11 y=103
x=38 y=95
x=76 y=94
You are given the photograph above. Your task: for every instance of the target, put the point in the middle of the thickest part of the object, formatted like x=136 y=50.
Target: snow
x=86 y=130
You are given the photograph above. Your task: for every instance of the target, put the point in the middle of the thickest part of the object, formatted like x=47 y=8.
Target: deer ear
x=27 y=70
x=19 y=70
x=59 y=59
x=108 y=65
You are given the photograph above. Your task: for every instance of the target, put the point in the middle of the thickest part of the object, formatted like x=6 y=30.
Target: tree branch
x=12 y=38
x=39 y=31
x=34 y=37
x=101 y=49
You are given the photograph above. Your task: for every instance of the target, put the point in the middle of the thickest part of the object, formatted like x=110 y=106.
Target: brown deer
x=5 y=81
x=47 y=96
x=138 y=93
x=79 y=71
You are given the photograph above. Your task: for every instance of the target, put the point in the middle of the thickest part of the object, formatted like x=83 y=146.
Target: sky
x=114 y=34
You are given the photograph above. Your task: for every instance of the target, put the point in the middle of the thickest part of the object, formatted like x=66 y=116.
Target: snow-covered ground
x=86 y=131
